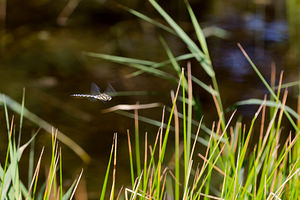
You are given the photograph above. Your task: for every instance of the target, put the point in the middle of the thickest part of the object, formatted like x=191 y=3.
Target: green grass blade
x=68 y=194
x=198 y=30
x=290 y=84
x=107 y=173
x=21 y=117
x=137 y=142
x=31 y=162
x=165 y=63
x=148 y=19
x=268 y=103
x=60 y=175
x=267 y=86
x=130 y=159
x=122 y=60
x=171 y=57
x=190 y=111
x=205 y=86
x=119 y=59
x=205 y=63
x=185 y=156
x=6 y=160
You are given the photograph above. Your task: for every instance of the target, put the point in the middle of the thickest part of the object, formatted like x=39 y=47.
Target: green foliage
x=235 y=165
x=12 y=187
x=23 y=111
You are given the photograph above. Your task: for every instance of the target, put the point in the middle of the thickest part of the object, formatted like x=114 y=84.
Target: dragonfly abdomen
x=83 y=95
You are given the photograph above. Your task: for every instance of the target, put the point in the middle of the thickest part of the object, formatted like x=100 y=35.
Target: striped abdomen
x=84 y=95
x=100 y=97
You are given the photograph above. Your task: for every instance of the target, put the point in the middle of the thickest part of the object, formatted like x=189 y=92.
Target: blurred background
x=42 y=45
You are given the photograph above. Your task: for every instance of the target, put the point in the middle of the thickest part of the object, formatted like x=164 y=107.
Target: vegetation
x=262 y=170
x=12 y=186
x=234 y=165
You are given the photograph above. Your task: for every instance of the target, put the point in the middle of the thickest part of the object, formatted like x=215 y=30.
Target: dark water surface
x=47 y=60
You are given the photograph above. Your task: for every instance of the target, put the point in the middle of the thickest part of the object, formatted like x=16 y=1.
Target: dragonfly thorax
x=103 y=97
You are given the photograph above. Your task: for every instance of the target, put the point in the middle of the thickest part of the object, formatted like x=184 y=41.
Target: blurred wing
x=95 y=90
x=109 y=89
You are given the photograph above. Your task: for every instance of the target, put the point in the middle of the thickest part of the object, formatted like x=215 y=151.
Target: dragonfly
x=96 y=95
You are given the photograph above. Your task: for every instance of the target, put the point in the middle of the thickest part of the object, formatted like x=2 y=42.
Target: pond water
x=47 y=60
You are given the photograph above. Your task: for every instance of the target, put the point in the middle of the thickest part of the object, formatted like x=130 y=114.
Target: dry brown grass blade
x=81 y=191
x=119 y=194
x=217 y=159
x=273 y=75
x=131 y=107
x=262 y=120
x=207 y=148
x=215 y=167
x=137 y=187
x=194 y=145
x=216 y=103
x=298 y=110
x=235 y=141
x=164 y=182
x=67 y=11
x=255 y=117
x=176 y=123
x=36 y=172
x=185 y=194
x=267 y=135
x=210 y=196
x=136 y=194
x=77 y=182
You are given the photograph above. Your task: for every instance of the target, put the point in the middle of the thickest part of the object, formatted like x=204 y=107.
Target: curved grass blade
x=136 y=65
x=199 y=55
x=131 y=107
x=198 y=30
x=148 y=19
x=268 y=103
x=119 y=59
x=164 y=63
x=144 y=119
x=290 y=84
x=267 y=85
x=205 y=86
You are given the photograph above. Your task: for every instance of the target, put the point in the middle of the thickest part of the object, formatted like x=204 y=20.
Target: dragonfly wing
x=109 y=89
x=95 y=90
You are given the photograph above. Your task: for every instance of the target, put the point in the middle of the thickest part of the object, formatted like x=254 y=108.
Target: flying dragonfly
x=96 y=95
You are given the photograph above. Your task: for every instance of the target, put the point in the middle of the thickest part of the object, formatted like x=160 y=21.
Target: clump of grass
x=12 y=187
x=265 y=170
x=24 y=112
x=249 y=168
